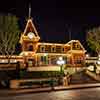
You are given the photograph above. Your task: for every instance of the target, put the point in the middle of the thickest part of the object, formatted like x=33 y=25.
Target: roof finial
x=29 y=11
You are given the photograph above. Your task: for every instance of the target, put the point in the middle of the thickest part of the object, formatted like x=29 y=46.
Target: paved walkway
x=47 y=89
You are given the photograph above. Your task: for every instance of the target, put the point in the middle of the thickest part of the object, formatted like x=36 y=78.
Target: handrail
x=94 y=76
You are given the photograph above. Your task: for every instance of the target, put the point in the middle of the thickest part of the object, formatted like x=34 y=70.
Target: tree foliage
x=9 y=34
x=93 y=39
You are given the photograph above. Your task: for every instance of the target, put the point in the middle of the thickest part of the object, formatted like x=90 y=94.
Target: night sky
x=55 y=19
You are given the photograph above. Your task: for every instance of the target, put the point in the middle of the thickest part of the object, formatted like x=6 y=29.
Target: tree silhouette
x=9 y=34
x=93 y=39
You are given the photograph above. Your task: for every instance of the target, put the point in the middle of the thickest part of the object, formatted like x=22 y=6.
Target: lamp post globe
x=61 y=62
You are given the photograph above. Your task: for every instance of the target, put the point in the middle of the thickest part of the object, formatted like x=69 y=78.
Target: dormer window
x=63 y=49
x=76 y=46
x=42 y=48
x=53 y=48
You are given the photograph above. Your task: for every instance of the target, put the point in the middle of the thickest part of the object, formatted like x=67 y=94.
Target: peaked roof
x=30 y=27
x=78 y=43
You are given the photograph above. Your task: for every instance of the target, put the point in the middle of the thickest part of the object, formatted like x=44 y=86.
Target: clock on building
x=30 y=35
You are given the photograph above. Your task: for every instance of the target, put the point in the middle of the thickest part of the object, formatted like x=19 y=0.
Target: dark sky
x=55 y=19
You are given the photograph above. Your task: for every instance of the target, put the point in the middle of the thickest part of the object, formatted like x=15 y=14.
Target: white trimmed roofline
x=30 y=20
x=78 y=42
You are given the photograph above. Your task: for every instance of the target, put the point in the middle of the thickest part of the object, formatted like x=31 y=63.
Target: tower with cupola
x=29 y=38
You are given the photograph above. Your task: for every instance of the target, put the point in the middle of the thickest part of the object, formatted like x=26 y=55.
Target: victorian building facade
x=42 y=54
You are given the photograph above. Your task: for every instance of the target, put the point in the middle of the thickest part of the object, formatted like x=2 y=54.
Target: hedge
x=39 y=74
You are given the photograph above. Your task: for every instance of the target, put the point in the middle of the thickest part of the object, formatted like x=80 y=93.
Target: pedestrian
x=65 y=80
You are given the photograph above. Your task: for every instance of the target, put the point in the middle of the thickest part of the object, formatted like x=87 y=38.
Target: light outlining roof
x=59 y=54
x=25 y=53
x=78 y=42
x=72 y=41
x=59 y=44
x=33 y=26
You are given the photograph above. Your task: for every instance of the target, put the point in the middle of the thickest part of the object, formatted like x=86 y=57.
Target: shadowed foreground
x=78 y=94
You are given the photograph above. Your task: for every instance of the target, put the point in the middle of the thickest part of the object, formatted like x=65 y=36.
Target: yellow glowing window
x=76 y=46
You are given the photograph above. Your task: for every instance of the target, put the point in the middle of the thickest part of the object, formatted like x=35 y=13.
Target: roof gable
x=30 y=27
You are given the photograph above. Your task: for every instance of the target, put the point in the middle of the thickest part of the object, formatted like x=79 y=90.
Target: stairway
x=81 y=78
x=93 y=75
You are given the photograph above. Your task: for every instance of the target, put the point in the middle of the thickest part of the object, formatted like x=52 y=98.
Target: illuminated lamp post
x=46 y=58
x=61 y=62
x=87 y=56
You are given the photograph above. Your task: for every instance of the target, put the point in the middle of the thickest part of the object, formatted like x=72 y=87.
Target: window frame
x=42 y=48
x=53 y=48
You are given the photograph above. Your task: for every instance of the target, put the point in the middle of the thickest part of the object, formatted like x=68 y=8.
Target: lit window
x=42 y=49
x=76 y=46
x=77 y=60
x=53 y=49
x=4 y=61
x=30 y=62
x=13 y=61
x=63 y=49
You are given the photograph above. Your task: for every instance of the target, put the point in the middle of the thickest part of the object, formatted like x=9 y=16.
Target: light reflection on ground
x=82 y=94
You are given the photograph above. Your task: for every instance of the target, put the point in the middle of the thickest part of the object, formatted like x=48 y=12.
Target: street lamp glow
x=87 y=55
x=60 y=61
